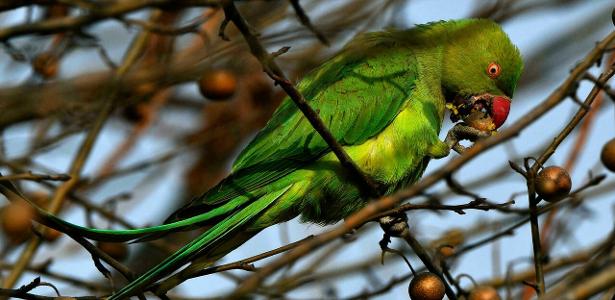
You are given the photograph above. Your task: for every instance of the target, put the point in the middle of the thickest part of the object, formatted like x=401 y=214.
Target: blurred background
x=173 y=134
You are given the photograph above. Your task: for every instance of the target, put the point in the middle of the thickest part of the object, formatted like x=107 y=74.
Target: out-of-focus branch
x=98 y=12
x=502 y=10
x=244 y=264
x=44 y=270
x=166 y=30
x=596 y=275
x=393 y=282
x=35 y=177
x=12 y=4
x=61 y=192
x=586 y=287
x=132 y=54
x=554 y=265
x=19 y=294
x=78 y=95
x=305 y=20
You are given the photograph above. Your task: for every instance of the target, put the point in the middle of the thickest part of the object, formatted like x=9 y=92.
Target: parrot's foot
x=394 y=225
x=461 y=132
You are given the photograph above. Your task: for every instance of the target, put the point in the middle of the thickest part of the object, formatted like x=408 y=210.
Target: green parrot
x=383 y=97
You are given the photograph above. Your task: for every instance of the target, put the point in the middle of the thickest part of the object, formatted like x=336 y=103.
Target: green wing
x=357 y=94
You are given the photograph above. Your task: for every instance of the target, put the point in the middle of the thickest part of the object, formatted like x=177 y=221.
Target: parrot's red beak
x=500 y=107
x=484 y=112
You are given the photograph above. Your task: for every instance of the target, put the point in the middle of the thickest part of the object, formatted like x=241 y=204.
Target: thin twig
x=101 y=13
x=16 y=293
x=43 y=269
x=242 y=264
x=35 y=177
x=166 y=30
x=305 y=20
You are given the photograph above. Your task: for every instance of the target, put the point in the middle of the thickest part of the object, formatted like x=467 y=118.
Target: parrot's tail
x=202 y=263
x=114 y=235
x=205 y=242
x=139 y=234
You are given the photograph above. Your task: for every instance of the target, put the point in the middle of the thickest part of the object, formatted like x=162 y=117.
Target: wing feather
x=357 y=94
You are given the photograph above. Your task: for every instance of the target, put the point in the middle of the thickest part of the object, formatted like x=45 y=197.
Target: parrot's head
x=481 y=67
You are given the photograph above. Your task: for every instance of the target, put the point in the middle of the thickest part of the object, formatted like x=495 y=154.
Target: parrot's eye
x=494 y=70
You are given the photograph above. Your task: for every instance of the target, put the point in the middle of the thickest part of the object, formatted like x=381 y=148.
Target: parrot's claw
x=394 y=225
x=461 y=132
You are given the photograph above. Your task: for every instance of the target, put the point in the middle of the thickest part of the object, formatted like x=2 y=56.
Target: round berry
x=484 y=292
x=607 y=156
x=218 y=85
x=17 y=221
x=426 y=286
x=553 y=183
x=446 y=251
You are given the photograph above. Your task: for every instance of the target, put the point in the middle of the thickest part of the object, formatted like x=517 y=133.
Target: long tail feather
x=132 y=234
x=198 y=245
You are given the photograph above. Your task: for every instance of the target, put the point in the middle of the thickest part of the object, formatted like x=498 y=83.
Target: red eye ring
x=494 y=70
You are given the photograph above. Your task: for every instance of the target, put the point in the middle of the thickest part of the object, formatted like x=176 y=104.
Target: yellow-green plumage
x=382 y=97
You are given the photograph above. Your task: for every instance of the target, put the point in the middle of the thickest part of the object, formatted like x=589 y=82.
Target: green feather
x=131 y=234
x=198 y=245
x=355 y=95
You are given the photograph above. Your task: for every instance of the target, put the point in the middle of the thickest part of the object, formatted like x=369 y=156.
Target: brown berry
x=553 y=183
x=118 y=251
x=16 y=221
x=446 y=251
x=484 y=292
x=607 y=156
x=46 y=64
x=426 y=286
x=218 y=85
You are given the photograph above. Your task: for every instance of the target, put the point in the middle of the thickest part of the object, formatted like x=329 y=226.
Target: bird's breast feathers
x=398 y=150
